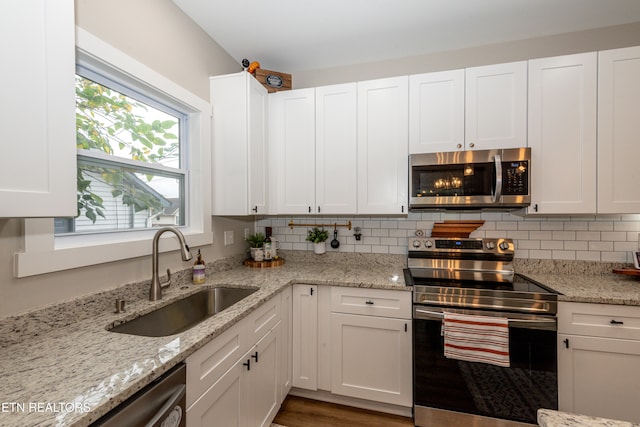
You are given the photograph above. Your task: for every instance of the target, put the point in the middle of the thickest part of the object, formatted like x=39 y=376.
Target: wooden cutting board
x=455 y=228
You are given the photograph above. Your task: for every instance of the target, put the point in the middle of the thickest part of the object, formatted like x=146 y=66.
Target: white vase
x=257 y=254
x=320 y=248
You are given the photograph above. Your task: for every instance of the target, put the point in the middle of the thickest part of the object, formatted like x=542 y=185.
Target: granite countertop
x=61 y=367
x=549 y=418
x=580 y=281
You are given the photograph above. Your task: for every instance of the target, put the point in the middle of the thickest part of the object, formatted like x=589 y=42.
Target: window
x=186 y=174
x=131 y=174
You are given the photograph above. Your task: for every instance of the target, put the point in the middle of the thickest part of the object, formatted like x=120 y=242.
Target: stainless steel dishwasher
x=161 y=403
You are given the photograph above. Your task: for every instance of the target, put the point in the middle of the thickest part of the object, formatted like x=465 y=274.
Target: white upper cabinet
x=496 y=106
x=293 y=135
x=383 y=146
x=239 y=151
x=562 y=133
x=336 y=129
x=619 y=131
x=37 y=116
x=476 y=108
x=436 y=112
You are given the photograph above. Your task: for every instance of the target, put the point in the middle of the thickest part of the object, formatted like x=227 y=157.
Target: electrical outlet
x=246 y=233
x=228 y=238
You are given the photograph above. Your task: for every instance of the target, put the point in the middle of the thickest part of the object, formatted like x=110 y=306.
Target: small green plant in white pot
x=318 y=236
x=256 y=241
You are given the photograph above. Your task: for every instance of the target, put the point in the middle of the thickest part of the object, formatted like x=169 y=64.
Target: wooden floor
x=301 y=412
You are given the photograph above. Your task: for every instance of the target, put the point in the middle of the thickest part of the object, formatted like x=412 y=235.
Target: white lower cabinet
x=364 y=352
x=371 y=358
x=371 y=336
x=230 y=390
x=305 y=336
x=599 y=360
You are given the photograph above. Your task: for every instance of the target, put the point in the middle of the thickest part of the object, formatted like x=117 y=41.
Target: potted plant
x=318 y=236
x=256 y=241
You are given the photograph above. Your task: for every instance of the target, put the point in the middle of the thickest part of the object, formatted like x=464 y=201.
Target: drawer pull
x=247 y=364
x=369 y=302
x=616 y=322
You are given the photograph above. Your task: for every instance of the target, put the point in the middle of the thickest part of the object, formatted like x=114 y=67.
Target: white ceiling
x=295 y=35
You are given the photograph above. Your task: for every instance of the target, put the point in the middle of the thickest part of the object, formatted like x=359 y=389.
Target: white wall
x=562 y=44
x=158 y=34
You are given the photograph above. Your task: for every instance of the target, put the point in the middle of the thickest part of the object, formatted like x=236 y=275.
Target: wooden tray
x=628 y=271
x=264 y=264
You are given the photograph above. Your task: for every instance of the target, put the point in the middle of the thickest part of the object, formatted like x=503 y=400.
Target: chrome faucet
x=155 y=291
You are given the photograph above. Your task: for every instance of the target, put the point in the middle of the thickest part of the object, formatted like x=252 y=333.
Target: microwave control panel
x=515 y=178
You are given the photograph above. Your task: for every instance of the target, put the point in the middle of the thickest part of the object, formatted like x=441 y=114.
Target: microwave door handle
x=498 y=193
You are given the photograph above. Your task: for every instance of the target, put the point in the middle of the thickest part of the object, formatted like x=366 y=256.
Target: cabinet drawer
x=373 y=302
x=263 y=319
x=599 y=320
x=207 y=365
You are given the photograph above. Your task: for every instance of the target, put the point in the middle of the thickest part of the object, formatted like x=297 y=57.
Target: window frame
x=42 y=253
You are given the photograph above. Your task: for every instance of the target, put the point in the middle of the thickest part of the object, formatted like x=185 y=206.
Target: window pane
x=116 y=194
x=111 y=122
x=122 y=198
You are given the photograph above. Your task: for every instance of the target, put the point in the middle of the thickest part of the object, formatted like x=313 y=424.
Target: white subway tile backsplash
x=606 y=238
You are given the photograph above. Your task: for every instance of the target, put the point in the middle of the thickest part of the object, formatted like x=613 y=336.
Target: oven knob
x=416 y=243
x=428 y=244
x=504 y=246
x=490 y=245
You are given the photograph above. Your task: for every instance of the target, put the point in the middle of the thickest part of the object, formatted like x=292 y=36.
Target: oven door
x=455 y=392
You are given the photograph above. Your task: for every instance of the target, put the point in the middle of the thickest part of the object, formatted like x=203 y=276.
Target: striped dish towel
x=476 y=338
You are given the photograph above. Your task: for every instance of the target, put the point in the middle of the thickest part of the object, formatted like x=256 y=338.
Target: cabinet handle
x=247 y=364
x=405 y=327
x=255 y=356
x=472 y=145
x=318 y=209
x=369 y=302
x=566 y=342
x=458 y=145
x=535 y=207
x=309 y=209
x=255 y=209
x=616 y=322
x=402 y=208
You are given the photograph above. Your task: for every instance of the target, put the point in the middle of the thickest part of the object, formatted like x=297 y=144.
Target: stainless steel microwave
x=483 y=179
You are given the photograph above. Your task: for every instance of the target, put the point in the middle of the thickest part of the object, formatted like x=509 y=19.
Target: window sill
x=83 y=254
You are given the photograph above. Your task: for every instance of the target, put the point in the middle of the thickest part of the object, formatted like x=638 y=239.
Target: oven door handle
x=497 y=160
x=539 y=323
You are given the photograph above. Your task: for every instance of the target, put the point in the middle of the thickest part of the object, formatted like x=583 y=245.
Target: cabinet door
x=618 y=130
x=562 y=133
x=436 y=112
x=286 y=332
x=257 y=136
x=224 y=403
x=38 y=162
x=371 y=358
x=383 y=146
x=293 y=134
x=599 y=377
x=239 y=151
x=496 y=106
x=336 y=149
x=305 y=336
x=263 y=393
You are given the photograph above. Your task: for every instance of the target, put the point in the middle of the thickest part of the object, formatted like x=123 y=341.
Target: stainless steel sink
x=183 y=314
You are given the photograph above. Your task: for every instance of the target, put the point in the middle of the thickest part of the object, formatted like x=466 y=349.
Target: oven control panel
x=461 y=245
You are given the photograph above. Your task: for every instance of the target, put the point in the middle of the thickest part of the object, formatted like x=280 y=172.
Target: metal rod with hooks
x=334 y=225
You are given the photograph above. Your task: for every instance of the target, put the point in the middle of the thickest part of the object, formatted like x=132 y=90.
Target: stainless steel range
x=475 y=277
